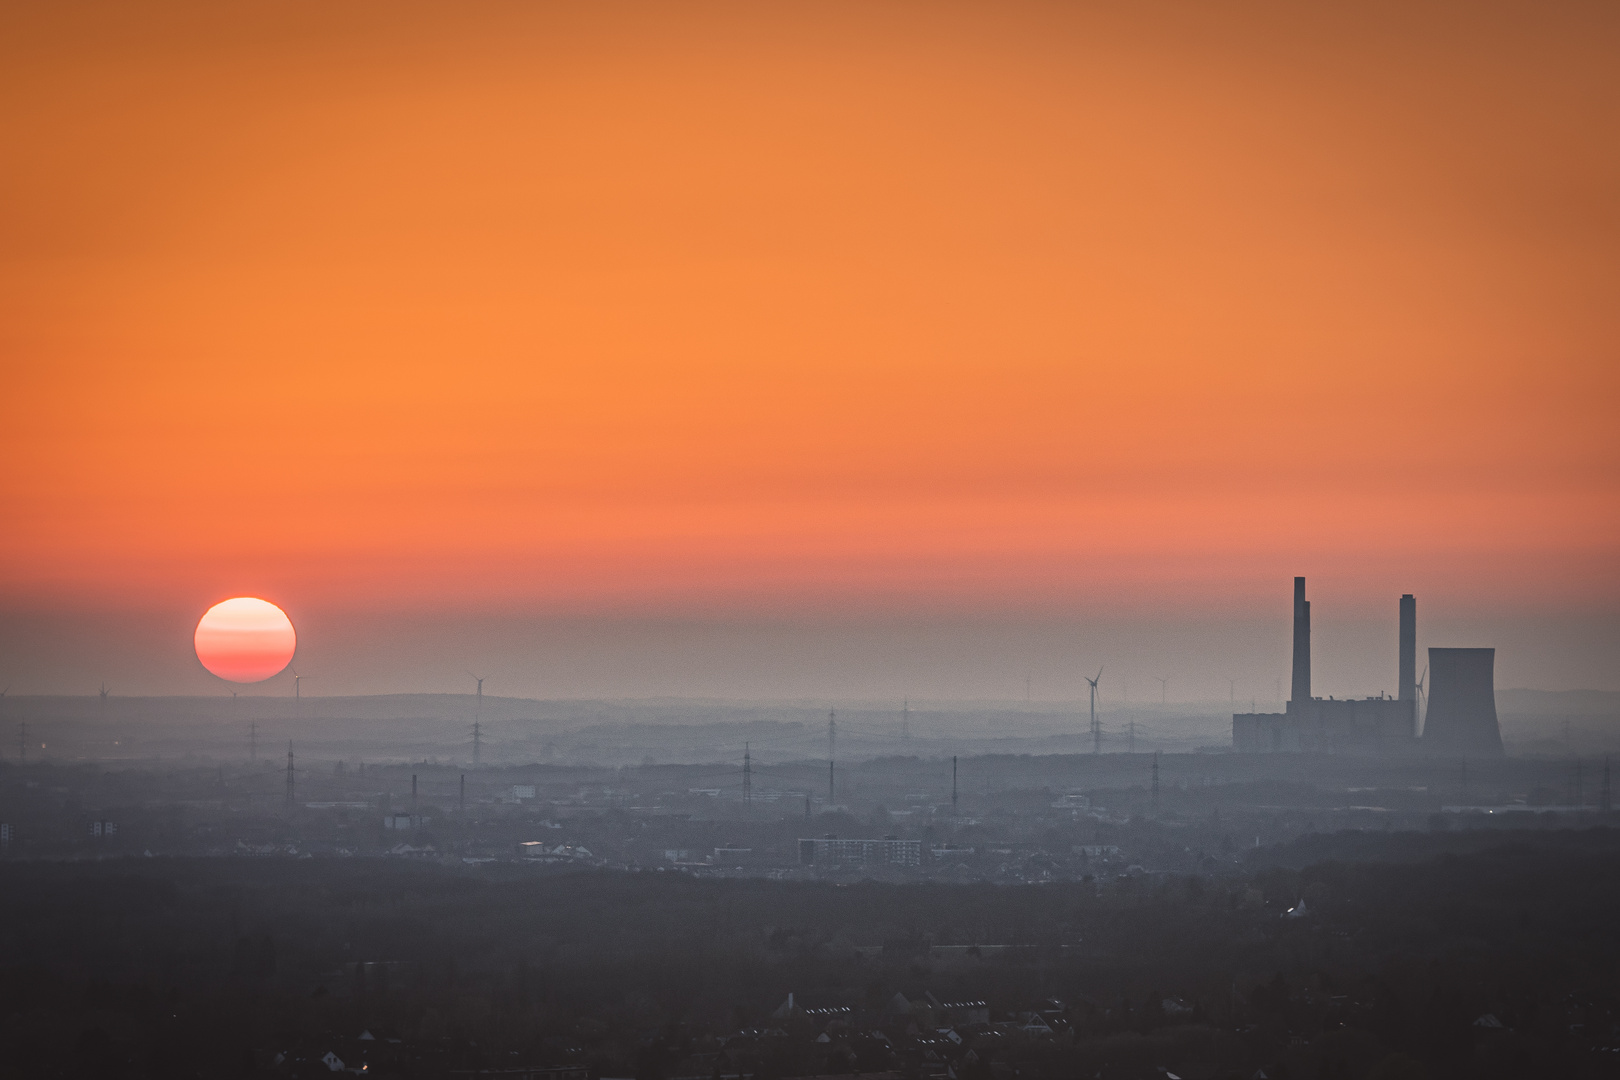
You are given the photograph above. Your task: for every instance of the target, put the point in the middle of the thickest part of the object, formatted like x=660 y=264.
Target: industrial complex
x=1461 y=714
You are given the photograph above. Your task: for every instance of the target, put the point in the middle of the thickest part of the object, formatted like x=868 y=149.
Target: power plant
x=1461 y=715
x=1462 y=703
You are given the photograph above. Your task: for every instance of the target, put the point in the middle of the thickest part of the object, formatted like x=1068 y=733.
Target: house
x=404 y=821
x=962 y=1013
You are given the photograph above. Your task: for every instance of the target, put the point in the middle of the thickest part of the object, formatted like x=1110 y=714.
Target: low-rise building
x=829 y=850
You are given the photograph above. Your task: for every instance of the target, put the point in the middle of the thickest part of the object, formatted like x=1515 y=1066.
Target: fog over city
x=716 y=541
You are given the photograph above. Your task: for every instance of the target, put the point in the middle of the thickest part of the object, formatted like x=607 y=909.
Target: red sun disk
x=245 y=639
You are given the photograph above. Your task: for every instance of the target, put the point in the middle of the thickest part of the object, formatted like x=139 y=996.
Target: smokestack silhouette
x=1462 y=703
x=1407 y=687
x=1301 y=691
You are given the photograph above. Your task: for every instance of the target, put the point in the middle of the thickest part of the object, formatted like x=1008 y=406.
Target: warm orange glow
x=650 y=306
x=245 y=639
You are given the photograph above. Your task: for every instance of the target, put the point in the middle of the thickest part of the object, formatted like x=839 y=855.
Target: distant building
x=103 y=828
x=1379 y=724
x=966 y=1012
x=830 y=850
x=404 y=821
x=1097 y=851
x=949 y=851
x=540 y=849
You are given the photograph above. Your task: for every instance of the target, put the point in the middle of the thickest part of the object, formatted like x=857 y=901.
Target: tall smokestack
x=1301 y=691
x=1407 y=687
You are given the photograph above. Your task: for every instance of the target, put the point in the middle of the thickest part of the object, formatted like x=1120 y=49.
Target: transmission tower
x=748 y=776
x=289 y=774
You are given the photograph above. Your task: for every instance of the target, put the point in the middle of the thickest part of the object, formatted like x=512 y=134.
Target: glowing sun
x=245 y=639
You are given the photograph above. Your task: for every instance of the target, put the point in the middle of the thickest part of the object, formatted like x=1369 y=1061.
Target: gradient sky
x=414 y=313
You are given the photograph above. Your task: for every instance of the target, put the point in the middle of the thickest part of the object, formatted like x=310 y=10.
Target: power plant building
x=1461 y=715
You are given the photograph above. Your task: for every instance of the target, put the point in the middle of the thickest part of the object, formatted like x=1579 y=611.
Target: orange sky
x=616 y=307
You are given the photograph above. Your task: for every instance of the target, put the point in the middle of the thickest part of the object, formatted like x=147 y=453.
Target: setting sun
x=245 y=639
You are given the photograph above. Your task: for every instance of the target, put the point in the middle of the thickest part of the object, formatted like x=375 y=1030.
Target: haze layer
x=739 y=313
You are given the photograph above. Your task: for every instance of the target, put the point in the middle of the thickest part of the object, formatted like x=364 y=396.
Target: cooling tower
x=1462 y=703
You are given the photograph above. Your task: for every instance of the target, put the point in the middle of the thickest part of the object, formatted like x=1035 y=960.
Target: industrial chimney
x=1407 y=686
x=1301 y=691
x=1462 y=703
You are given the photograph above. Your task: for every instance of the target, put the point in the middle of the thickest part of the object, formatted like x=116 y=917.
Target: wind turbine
x=480 y=680
x=1423 y=696
x=1164 y=687
x=1096 y=732
x=298 y=684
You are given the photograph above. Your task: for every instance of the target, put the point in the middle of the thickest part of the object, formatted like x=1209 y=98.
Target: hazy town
x=830 y=540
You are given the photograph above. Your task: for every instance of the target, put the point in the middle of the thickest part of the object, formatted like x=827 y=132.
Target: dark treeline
x=1454 y=954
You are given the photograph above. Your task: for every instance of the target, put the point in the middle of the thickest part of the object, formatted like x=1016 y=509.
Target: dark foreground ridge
x=1465 y=953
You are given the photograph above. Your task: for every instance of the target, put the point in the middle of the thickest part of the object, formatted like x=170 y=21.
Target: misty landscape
x=829 y=540
x=625 y=889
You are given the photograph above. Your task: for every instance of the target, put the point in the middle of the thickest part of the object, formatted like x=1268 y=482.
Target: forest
x=1339 y=955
